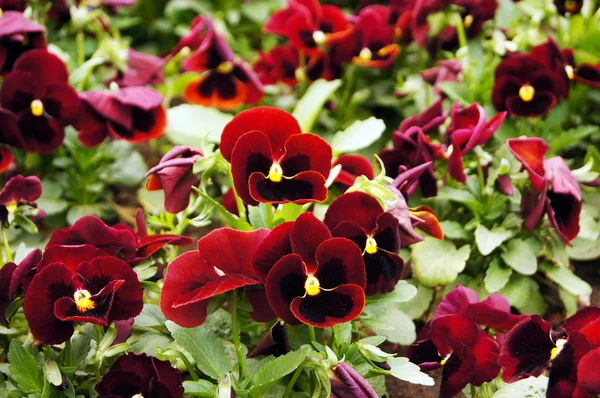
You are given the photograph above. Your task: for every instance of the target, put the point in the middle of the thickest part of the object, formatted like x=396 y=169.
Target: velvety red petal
x=307 y=233
x=66 y=309
x=429 y=221
x=530 y=152
x=565 y=198
x=45 y=66
x=563 y=371
x=588 y=74
x=486 y=351
x=214 y=287
x=455 y=300
x=352 y=167
x=62 y=101
x=284 y=284
x=6 y=274
x=304 y=152
x=147 y=125
x=306 y=187
x=587 y=372
x=262 y=311
x=25 y=272
x=448 y=332
x=541 y=104
x=457 y=372
x=340 y=262
x=149 y=245
x=587 y=322
x=71 y=256
x=358 y=207
x=329 y=308
x=6 y=159
x=251 y=154
x=272 y=248
x=275 y=342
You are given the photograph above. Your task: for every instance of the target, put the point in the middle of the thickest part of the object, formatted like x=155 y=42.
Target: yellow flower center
x=365 y=54
x=275 y=172
x=83 y=300
x=37 y=107
x=319 y=37
x=12 y=206
x=560 y=343
x=138 y=395
x=570 y=72
x=371 y=246
x=225 y=67
x=527 y=92
x=571 y=5
x=443 y=361
x=1 y=12
x=468 y=21
x=312 y=286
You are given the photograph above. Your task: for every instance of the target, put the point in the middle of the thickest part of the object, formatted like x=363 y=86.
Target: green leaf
x=199 y=388
x=308 y=108
x=438 y=262
x=77 y=355
x=569 y=300
x=454 y=230
x=417 y=306
x=524 y=294
x=24 y=368
x=531 y=387
x=571 y=137
x=204 y=346
x=342 y=334
x=566 y=279
x=496 y=276
x=520 y=256
x=403 y=369
x=459 y=196
x=488 y=240
x=129 y=167
x=402 y=293
x=278 y=368
x=394 y=324
x=584 y=249
x=358 y=135
x=456 y=92
x=189 y=125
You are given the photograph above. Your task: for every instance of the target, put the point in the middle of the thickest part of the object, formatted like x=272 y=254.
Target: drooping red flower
x=174 y=175
x=568 y=6
x=278 y=65
x=361 y=218
x=272 y=161
x=554 y=189
x=275 y=342
x=353 y=166
x=6 y=274
x=133 y=114
x=448 y=70
x=309 y=276
x=98 y=291
x=142 y=69
x=468 y=129
x=19 y=191
x=18 y=34
x=221 y=264
x=588 y=384
x=524 y=86
x=429 y=120
x=225 y=82
x=466 y=353
x=140 y=375
x=38 y=103
x=25 y=272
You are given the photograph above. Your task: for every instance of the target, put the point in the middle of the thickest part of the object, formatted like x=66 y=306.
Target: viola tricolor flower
x=142 y=69
x=272 y=161
x=554 y=189
x=532 y=346
x=465 y=352
x=353 y=166
x=18 y=34
x=221 y=264
x=360 y=218
x=139 y=375
x=467 y=130
x=133 y=114
x=173 y=174
x=98 y=290
x=19 y=191
x=309 y=276
x=38 y=103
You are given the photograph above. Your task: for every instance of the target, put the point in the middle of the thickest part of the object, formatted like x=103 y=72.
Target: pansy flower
x=568 y=6
x=133 y=114
x=554 y=189
x=224 y=82
x=429 y=120
x=100 y=291
x=140 y=375
x=466 y=354
x=532 y=346
x=524 y=86
x=467 y=130
x=19 y=191
x=142 y=69
x=278 y=65
x=173 y=174
x=272 y=161
x=194 y=38
x=360 y=218
x=221 y=264
x=275 y=342
x=6 y=273
x=18 y=34
x=38 y=103
x=309 y=276
x=447 y=70
x=353 y=166
x=588 y=384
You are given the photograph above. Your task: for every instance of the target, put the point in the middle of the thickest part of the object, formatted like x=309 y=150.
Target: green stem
x=8 y=253
x=80 y=47
x=480 y=175
x=460 y=32
x=236 y=336
x=188 y=365
x=290 y=386
x=473 y=391
x=311 y=333
x=238 y=200
x=269 y=214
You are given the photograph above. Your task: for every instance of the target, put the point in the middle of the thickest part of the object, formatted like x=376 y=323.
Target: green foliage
x=438 y=262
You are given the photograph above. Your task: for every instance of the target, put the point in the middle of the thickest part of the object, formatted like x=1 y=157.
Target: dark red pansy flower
x=98 y=291
x=140 y=375
x=275 y=342
x=19 y=191
x=309 y=276
x=588 y=383
x=568 y=6
x=225 y=82
x=278 y=65
x=524 y=86
x=25 y=272
x=309 y=25
x=468 y=129
x=221 y=264
x=466 y=353
x=361 y=218
x=353 y=166
x=174 y=175
x=346 y=382
x=554 y=189
x=429 y=120
x=493 y=312
x=6 y=274
x=18 y=34
x=261 y=309
x=448 y=70
x=142 y=69
x=272 y=161
x=195 y=36
x=6 y=159
x=38 y=103
x=133 y=114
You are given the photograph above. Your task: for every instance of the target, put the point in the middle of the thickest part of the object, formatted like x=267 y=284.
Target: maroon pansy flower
x=524 y=86
x=6 y=274
x=99 y=291
x=588 y=383
x=429 y=120
x=468 y=129
x=19 y=191
x=346 y=382
x=568 y=6
x=173 y=174
x=142 y=69
x=309 y=276
x=278 y=65
x=195 y=36
x=272 y=161
x=38 y=103
x=221 y=264
x=466 y=353
x=25 y=272
x=18 y=34
x=360 y=218
x=448 y=70
x=225 y=82
x=353 y=166
x=140 y=375
x=554 y=189
x=133 y=114
x=275 y=342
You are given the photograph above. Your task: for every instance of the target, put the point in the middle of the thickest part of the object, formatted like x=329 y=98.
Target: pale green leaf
x=189 y=125
x=24 y=368
x=520 y=256
x=438 y=262
x=488 y=240
x=417 y=306
x=308 y=108
x=531 y=387
x=278 y=368
x=496 y=276
x=403 y=369
x=566 y=279
x=358 y=135
x=524 y=294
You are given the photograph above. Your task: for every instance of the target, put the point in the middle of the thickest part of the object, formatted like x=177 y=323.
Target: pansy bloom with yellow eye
x=19 y=191
x=272 y=161
x=309 y=276
x=38 y=103
x=360 y=218
x=97 y=290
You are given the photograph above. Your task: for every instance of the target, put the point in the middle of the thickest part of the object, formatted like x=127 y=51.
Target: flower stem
x=460 y=32
x=188 y=365
x=269 y=215
x=236 y=336
x=7 y=251
x=311 y=333
x=290 y=386
x=80 y=37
